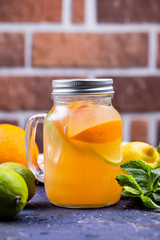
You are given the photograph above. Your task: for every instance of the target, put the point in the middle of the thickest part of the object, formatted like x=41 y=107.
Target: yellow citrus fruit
x=27 y=175
x=141 y=151
x=12 y=145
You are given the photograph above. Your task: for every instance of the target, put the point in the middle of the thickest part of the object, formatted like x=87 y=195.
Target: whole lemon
x=12 y=145
x=141 y=151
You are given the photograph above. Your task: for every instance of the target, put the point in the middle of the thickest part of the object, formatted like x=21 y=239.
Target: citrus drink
x=83 y=153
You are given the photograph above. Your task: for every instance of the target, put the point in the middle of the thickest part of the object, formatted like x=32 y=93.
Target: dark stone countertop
x=41 y=220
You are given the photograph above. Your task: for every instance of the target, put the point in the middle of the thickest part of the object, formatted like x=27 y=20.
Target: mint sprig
x=158 y=148
x=143 y=182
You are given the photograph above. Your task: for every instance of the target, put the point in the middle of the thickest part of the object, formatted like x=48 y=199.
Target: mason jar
x=82 y=139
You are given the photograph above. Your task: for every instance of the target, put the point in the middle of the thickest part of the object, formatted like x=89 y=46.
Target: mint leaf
x=140 y=171
x=158 y=184
x=155 y=197
x=147 y=202
x=155 y=177
x=129 y=184
x=158 y=149
x=134 y=164
x=125 y=193
x=143 y=183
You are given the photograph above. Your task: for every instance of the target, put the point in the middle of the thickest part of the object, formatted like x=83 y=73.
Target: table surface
x=41 y=220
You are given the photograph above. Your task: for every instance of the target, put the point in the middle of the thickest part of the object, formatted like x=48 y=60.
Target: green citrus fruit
x=13 y=193
x=26 y=174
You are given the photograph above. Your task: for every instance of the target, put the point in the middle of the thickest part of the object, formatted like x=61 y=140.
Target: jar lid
x=82 y=86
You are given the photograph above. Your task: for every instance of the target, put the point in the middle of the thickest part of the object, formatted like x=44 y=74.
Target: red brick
x=136 y=94
x=158 y=56
x=139 y=130
x=90 y=50
x=78 y=11
x=139 y=94
x=11 y=49
x=51 y=10
x=113 y=11
x=26 y=93
x=30 y=10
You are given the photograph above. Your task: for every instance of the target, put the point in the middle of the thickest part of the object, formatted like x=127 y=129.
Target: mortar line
x=152 y=134
x=152 y=51
x=28 y=50
x=97 y=72
x=67 y=26
x=126 y=124
x=90 y=13
x=66 y=14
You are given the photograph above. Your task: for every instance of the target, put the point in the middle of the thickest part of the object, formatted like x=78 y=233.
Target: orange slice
x=101 y=133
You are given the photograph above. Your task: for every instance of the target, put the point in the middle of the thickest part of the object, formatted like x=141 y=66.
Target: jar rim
x=98 y=86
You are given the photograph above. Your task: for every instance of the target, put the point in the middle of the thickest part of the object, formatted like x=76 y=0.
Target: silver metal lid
x=82 y=86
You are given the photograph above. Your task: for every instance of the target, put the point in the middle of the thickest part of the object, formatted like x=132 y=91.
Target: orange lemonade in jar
x=82 y=145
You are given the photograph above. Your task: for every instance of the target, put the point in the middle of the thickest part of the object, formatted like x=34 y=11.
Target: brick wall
x=46 y=39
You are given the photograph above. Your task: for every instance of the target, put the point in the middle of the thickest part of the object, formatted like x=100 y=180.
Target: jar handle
x=30 y=134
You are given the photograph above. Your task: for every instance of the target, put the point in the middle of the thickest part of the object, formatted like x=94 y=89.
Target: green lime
x=13 y=193
x=26 y=174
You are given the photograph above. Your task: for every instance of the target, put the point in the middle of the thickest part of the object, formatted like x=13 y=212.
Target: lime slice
x=113 y=162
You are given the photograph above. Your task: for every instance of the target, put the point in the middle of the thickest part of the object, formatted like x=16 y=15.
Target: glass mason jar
x=82 y=144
